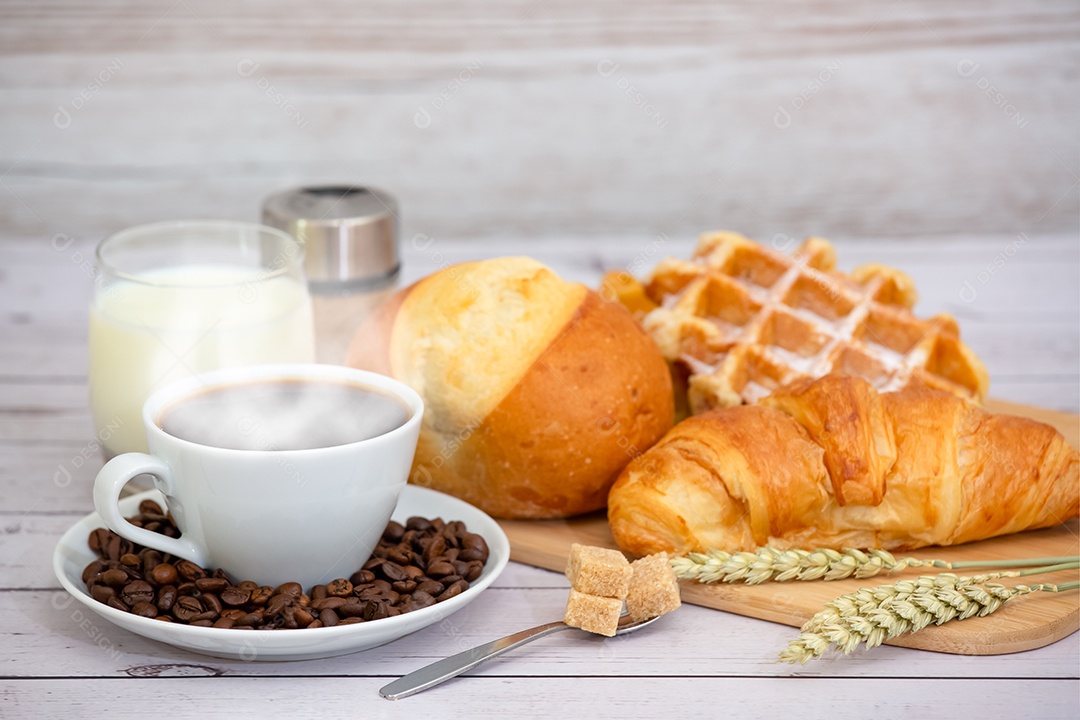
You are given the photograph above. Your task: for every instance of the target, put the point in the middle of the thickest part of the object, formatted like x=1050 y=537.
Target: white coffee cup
x=270 y=516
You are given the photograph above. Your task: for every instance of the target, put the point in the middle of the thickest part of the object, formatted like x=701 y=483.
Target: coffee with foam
x=285 y=414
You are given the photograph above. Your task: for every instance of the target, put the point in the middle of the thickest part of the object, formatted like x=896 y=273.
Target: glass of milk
x=175 y=299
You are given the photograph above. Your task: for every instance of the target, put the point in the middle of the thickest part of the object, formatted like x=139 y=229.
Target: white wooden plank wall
x=548 y=117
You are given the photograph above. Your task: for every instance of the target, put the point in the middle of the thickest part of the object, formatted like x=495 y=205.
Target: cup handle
x=112 y=478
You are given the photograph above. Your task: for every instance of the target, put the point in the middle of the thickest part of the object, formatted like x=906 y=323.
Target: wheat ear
x=871 y=616
x=769 y=563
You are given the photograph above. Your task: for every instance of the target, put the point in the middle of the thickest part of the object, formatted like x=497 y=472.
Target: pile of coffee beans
x=414 y=566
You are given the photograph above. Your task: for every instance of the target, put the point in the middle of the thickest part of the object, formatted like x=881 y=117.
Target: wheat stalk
x=871 y=616
x=769 y=563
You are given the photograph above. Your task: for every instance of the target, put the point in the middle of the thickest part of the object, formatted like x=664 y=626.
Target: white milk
x=182 y=321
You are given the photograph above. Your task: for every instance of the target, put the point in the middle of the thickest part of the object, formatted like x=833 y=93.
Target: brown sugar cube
x=654 y=589
x=596 y=614
x=598 y=571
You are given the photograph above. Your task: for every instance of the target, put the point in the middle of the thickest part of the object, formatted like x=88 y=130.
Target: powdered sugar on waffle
x=744 y=319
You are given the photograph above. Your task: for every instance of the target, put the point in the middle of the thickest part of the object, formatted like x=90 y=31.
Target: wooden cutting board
x=1023 y=624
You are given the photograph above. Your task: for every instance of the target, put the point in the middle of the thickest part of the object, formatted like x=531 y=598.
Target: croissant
x=833 y=463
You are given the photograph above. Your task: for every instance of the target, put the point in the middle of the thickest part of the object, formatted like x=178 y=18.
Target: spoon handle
x=442 y=670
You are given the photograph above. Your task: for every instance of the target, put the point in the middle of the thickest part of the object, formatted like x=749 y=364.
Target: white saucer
x=73 y=554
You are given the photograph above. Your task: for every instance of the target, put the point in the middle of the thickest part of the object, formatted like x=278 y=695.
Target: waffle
x=741 y=319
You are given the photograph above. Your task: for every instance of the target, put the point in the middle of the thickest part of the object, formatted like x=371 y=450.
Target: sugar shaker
x=352 y=258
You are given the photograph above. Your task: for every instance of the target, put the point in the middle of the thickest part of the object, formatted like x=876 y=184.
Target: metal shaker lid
x=349 y=233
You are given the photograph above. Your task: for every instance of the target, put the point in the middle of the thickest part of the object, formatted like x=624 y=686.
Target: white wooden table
x=1022 y=318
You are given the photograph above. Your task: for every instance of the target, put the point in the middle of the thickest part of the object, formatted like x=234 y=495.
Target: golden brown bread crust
x=743 y=477
x=555 y=424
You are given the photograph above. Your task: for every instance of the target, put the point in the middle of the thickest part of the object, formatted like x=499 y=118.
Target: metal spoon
x=442 y=670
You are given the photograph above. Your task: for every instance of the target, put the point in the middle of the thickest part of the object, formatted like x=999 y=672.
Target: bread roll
x=537 y=391
x=831 y=463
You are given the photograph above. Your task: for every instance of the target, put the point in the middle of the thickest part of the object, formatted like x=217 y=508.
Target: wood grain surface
x=56 y=661
x=1029 y=622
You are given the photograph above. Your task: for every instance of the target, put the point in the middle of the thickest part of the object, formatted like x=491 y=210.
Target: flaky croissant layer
x=833 y=463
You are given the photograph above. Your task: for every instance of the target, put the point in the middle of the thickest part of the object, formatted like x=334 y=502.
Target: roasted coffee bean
x=167 y=597
x=440 y=569
x=342 y=587
x=211 y=584
x=431 y=587
x=210 y=602
x=187 y=608
x=404 y=586
x=149 y=559
x=98 y=539
x=375 y=610
x=164 y=574
x=137 y=591
x=393 y=572
x=413 y=567
x=235 y=596
x=93 y=570
x=249 y=620
x=292 y=589
x=331 y=602
x=102 y=593
x=362 y=577
x=261 y=595
x=116 y=578
x=278 y=603
x=397 y=556
x=189 y=570
x=435 y=548
x=418 y=523
x=453 y=591
x=351 y=609
x=144 y=609
x=112 y=548
x=475 y=547
x=149 y=507
x=393 y=532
